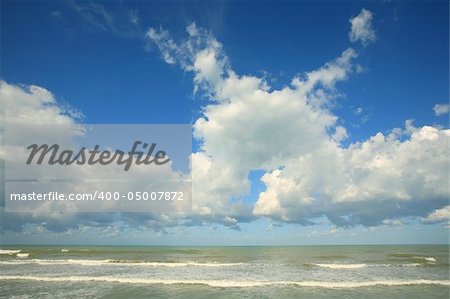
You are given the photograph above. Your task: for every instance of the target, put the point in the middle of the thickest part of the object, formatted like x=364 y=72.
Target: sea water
x=224 y=272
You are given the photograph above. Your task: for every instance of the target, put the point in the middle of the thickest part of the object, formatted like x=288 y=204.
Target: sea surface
x=224 y=272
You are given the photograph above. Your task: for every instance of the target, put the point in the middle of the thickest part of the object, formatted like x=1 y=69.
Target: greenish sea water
x=224 y=272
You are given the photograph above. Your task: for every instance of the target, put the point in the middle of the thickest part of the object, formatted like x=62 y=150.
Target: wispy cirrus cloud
x=117 y=18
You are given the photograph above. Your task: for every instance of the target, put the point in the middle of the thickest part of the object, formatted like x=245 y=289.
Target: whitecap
x=341 y=266
x=425 y=258
x=228 y=283
x=412 y=265
x=110 y=262
x=9 y=252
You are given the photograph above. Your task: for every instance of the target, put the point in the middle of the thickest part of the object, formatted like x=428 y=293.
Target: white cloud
x=441 y=109
x=200 y=53
x=56 y=14
x=134 y=17
x=290 y=133
x=439 y=215
x=293 y=136
x=95 y=14
x=116 y=18
x=22 y=106
x=365 y=183
x=362 y=30
x=245 y=126
x=32 y=105
x=390 y=222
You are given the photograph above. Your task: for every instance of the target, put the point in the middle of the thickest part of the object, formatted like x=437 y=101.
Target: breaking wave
x=88 y=262
x=341 y=266
x=229 y=283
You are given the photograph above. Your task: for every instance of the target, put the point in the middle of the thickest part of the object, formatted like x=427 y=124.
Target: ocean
x=224 y=272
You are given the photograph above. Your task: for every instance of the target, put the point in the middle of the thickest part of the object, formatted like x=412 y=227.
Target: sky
x=321 y=122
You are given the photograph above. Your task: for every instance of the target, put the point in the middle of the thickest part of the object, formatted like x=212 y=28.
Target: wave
x=87 y=262
x=399 y=265
x=413 y=257
x=341 y=266
x=359 y=266
x=111 y=262
x=173 y=264
x=402 y=255
x=427 y=259
x=328 y=257
x=64 y=250
x=9 y=252
x=411 y=265
x=230 y=283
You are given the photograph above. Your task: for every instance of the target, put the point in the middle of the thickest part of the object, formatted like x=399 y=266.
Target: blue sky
x=97 y=58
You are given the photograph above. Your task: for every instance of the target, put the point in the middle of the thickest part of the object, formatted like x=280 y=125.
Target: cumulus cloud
x=365 y=183
x=270 y=118
x=291 y=134
x=294 y=137
x=361 y=29
x=439 y=215
x=441 y=109
x=33 y=105
x=22 y=106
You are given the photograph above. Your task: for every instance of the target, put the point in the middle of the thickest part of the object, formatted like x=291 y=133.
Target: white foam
x=57 y=262
x=341 y=266
x=64 y=250
x=229 y=283
x=88 y=262
x=412 y=265
x=428 y=259
x=9 y=252
x=396 y=265
x=71 y=262
x=22 y=255
x=11 y=262
x=182 y=264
